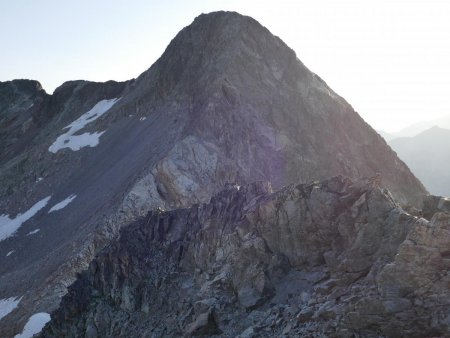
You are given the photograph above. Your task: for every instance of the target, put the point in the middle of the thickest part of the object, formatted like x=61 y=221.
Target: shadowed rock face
x=226 y=102
x=333 y=258
x=263 y=114
x=26 y=110
x=20 y=102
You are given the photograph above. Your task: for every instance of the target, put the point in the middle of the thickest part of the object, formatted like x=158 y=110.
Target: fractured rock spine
x=333 y=258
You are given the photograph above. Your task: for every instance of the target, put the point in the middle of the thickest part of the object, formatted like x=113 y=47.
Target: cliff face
x=20 y=102
x=257 y=113
x=333 y=259
x=226 y=102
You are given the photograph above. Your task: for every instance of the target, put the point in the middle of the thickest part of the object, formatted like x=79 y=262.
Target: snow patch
x=8 y=226
x=39 y=179
x=34 y=325
x=63 y=203
x=76 y=142
x=10 y=253
x=7 y=305
x=142 y=118
x=33 y=232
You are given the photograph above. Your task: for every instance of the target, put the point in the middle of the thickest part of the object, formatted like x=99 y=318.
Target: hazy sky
x=389 y=58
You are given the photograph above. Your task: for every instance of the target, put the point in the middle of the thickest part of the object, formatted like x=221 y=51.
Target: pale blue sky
x=389 y=59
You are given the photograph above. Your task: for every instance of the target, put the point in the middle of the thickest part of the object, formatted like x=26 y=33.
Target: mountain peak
x=20 y=87
x=221 y=18
x=240 y=87
x=218 y=44
x=227 y=102
x=433 y=132
x=435 y=128
x=225 y=24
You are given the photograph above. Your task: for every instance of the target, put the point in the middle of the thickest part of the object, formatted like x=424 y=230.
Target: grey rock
x=305 y=314
x=444 y=204
x=327 y=311
x=204 y=305
x=91 y=332
x=397 y=305
x=248 y=333
x=249 y=111
x=249 y=297
x=204 y=325
x=230 y=239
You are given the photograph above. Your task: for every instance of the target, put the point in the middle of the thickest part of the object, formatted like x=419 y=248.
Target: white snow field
x=33 y=232
x=34 y=325
x=7 y=305
x=8 y=226
x=62 y=204
x=76 y=142
x=10 y=253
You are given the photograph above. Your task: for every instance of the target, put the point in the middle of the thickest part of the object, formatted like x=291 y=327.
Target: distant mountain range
x=417 y=128
x=425 y=147
x=428 y=156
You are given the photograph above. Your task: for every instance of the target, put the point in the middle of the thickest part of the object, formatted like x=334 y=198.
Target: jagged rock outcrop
x=226 y=102
x=20 y=105
x=335 y=259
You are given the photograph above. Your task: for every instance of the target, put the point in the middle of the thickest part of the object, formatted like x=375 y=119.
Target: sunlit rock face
x=227 y=102
x=336 y=258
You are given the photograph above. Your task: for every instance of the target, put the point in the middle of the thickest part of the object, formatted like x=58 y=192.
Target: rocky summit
x=329 y=259
x=226 y=103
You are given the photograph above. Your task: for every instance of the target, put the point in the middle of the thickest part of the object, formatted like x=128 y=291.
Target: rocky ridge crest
x=335 y=258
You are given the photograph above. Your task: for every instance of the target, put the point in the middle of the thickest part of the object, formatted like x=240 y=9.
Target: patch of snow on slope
x=8 y=226
x=62 y=204
x=10 y=253
x=34 y=325
x=33 y=232
x=7 y=305
x=76 y=142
